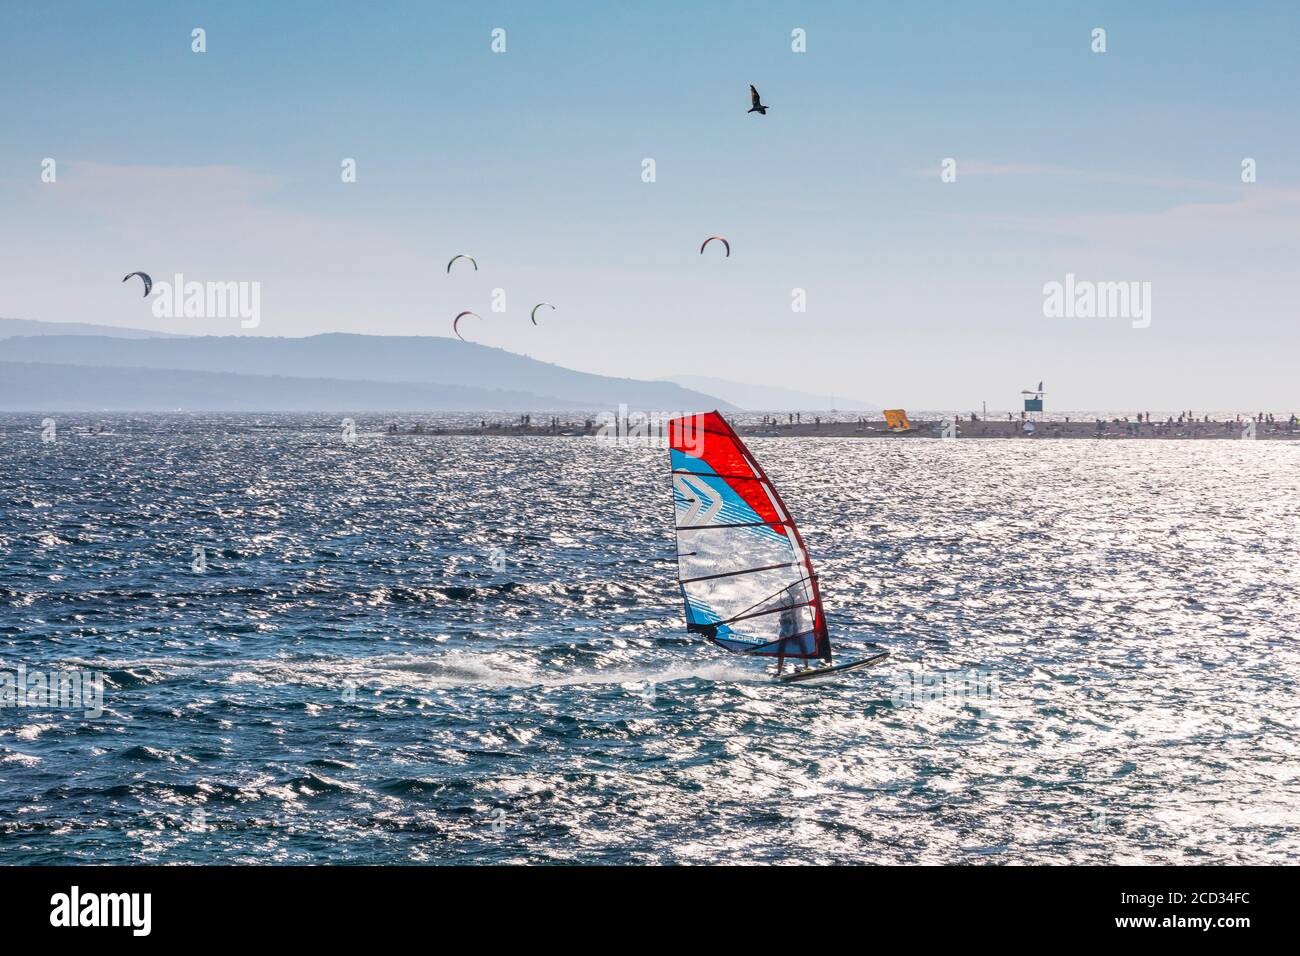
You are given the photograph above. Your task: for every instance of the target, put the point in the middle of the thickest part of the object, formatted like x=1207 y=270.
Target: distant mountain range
x=99 y=368
x=768 y=398
x=9 y=327
x=73 y=388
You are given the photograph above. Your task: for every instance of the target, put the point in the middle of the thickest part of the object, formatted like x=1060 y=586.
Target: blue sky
x=1122 y=166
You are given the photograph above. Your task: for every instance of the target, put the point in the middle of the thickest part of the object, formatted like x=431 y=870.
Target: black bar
x=1044 y=906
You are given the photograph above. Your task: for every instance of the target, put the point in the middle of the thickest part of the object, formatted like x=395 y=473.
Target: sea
x=276 y=641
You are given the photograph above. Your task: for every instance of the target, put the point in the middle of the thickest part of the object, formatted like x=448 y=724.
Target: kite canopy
x=745 y=575
x=721 y=239
x=144 y=276
x=462 y=256
x=456 y=322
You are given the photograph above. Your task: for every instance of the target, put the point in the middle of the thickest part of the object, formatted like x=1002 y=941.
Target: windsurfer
x=789 y=624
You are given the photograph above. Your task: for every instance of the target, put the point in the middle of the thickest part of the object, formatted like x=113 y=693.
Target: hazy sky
x=1121 y=166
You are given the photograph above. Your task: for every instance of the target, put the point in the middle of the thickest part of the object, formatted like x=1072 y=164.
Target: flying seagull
x=757 y=107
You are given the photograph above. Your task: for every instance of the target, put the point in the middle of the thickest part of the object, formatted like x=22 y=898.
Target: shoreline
x=1222 y=431
x=371 y=425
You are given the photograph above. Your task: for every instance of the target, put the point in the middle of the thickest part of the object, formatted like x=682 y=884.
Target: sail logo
x=1084 y=299
x=696 y=492
x=73 y=909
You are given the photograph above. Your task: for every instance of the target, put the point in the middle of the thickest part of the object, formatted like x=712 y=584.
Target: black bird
x=757 y=107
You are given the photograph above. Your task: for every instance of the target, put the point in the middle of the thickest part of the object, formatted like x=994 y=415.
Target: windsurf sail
x=745 y=575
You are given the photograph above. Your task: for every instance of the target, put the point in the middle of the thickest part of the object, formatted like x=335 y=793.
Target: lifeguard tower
x=1033 y=402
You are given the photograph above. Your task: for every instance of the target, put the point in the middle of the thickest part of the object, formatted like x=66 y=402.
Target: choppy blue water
x=351 y=679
